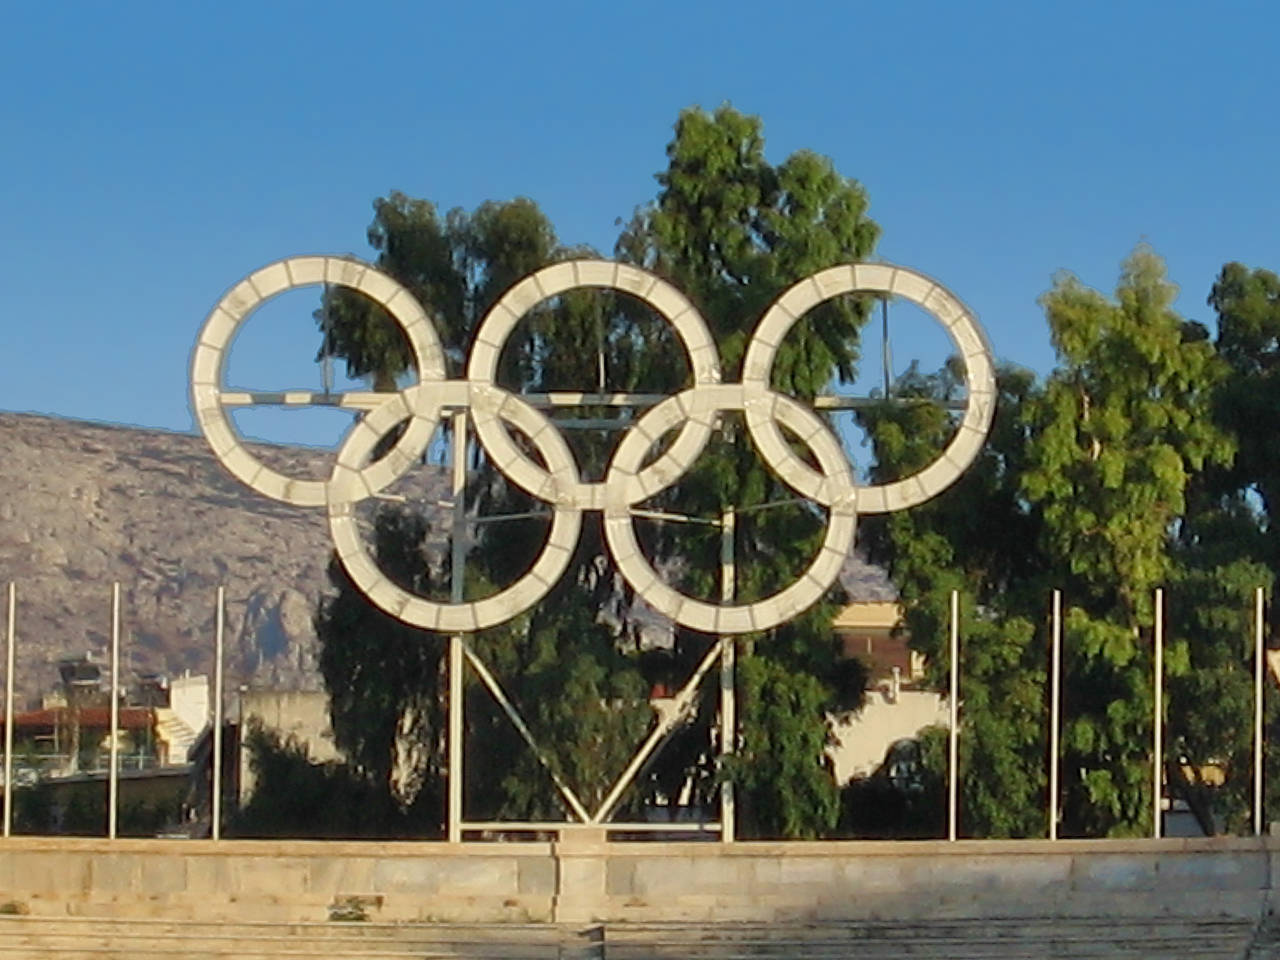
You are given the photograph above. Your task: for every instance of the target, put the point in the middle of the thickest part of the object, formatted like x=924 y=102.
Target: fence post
x=8 y=713
x=215 y=803
x=1055 y=700
x=113 y=775
x=1258 y=658
x=952 y=739
x=1157 y=746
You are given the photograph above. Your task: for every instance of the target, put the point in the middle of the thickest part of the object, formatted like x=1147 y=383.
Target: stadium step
x=1055 y=938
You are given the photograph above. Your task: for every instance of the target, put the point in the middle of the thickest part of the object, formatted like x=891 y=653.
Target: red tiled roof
x=131 y=718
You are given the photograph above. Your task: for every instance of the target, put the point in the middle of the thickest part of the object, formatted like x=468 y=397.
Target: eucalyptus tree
x=562 y=669
x=731 y=231
x=978 y=538
x=1247 y=303
x=1090 y=484
x=1124 y=424
x=1233 y=530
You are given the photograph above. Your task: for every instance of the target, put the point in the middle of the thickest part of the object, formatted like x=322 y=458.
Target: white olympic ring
x=208 y=365
x=628 y=481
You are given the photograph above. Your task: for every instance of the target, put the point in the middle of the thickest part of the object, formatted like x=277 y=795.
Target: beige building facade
x=898 y=706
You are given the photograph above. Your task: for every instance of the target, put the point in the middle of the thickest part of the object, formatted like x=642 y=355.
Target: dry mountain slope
x=83 y=504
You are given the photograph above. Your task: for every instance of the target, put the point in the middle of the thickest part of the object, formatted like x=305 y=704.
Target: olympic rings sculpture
x=628 y=480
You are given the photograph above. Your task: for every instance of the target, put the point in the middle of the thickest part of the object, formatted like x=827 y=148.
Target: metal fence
x=118 y=762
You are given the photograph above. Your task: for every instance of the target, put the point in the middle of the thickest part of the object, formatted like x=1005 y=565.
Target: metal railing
x=17 y=772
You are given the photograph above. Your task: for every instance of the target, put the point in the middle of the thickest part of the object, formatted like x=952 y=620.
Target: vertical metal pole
x=215 y=805
x=455 y=642
x=1157 y=759
x=1258 y=656
x=1055 y=700
x=886 y=358
x=953 y=734
x=113 y=775
x=455 y=738
x=8 y=714
x=728 y=693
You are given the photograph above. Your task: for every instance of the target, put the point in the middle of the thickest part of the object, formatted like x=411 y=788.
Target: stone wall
x=584 y=879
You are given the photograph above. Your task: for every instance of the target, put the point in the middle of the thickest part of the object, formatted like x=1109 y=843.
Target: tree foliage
x=561 y=669
x=1122 y=425
x=1232 y=535
x=1112 y=478
x=385 y=681
x=1140 y=462
x=732 y=231
x=972 y=539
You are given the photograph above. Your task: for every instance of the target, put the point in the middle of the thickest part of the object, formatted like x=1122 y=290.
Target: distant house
x=158 y=721
x=872 y=631
x=300 y=716
x=897 y=706
x=50 y=732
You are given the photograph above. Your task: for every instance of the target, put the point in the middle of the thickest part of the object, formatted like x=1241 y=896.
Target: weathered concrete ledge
x=583 y=879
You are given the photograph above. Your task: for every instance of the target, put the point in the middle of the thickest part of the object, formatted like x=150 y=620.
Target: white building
x=898 y=706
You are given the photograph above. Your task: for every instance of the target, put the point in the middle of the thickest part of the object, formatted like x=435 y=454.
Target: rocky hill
x=85 y=504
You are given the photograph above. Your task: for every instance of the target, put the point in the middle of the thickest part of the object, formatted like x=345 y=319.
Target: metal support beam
x=455 y=739
x=1055 y=707
x=513 y=715
x=113 y=775
x=1259 y=656
x=543 y=826
x=456 y=679
x=8 y=711
x=1157 y=745
x=215 y=808
x=728 y=693
x=364 y=400
x=682 y=702
x=953 y=766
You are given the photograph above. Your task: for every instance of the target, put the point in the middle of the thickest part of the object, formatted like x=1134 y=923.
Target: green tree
x=1248 y=401
x=732 y=231
x=1096 y=483
x=561 y=668
x=294 y=796
x=385 y=682
x=427 y=255
x=1232 y=526
x=1124 y=423
x=977 y=538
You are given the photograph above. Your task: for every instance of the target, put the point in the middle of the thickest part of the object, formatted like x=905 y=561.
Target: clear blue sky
x=155 y=153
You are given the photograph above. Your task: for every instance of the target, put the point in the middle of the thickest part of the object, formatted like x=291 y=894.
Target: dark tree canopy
x=1142 y=461
x=732 y=231
x=1109 y=479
